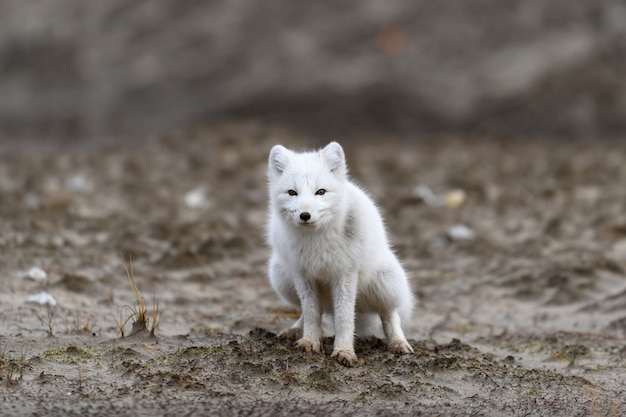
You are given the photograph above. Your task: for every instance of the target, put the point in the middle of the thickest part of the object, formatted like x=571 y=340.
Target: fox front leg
x=344 y=303
x=311 y=318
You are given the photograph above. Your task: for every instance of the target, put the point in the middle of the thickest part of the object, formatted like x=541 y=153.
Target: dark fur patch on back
x=349 y=227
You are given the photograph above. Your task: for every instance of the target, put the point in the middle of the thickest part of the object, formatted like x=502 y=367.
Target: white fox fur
x=330 y=253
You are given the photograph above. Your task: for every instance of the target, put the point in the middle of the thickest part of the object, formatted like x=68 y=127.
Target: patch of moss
x=536 y=347
x=72 y=353
x=533 y=347
x=572 y=353
x=360 y=398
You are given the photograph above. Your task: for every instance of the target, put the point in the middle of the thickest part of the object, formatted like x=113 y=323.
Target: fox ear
x=279 y=155
x=335 y=158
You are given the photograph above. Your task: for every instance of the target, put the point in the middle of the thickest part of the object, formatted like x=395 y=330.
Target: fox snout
x=305 y=216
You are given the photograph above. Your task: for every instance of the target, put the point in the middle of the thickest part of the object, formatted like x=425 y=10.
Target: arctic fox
x=330 y=253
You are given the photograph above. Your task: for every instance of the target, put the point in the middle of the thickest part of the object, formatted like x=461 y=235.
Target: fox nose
x=305 y=216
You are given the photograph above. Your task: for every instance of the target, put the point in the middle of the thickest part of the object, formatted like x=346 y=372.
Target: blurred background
x=73 y=71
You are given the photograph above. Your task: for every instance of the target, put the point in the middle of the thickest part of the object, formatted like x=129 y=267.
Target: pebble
x=455 y=198
x=460 y=232
x=37 y=274
x=197 y=199
x=424 y=193
x=42 y=298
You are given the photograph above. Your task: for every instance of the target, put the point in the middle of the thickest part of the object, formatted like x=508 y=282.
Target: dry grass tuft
x=138 y=312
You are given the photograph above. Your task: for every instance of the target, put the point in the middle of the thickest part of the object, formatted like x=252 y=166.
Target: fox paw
x=292 y=333
x=308 y=346
x=345 y=357
x=400 y=347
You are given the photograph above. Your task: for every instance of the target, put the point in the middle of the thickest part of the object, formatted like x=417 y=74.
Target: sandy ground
x=526 y=317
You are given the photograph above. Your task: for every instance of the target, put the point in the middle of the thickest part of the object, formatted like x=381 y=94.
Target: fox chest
x=323 y=259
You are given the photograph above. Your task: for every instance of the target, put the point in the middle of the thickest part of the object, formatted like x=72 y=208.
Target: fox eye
x=321 y=191
x=292 y=193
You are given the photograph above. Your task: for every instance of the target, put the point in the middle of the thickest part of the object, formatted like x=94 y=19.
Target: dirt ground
x=526 y=316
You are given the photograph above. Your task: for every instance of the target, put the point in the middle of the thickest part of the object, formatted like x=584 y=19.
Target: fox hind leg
x=396 y=342
x=285 y=287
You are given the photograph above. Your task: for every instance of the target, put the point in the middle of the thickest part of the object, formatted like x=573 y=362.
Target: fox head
x=307 y=189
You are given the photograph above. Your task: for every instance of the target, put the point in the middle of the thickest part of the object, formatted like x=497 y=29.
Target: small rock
x=37 y=274
x=509 y=359
x=460 y=232
x=455 y=199
x=42 y=298
x=425 y=194
x=197 y=199
x=77 y=183
x=452 y=199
